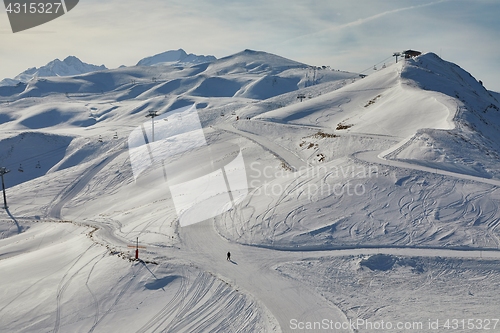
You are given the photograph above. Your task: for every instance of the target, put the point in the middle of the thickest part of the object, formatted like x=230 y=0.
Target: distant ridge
x=176 y=57
x=70 y=66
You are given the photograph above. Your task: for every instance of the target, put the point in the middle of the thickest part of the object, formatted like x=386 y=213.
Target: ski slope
x=374 y=199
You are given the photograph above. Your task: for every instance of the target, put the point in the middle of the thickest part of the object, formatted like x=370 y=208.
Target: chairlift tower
x=153 y=114
x=396 y=54
x=3 y=171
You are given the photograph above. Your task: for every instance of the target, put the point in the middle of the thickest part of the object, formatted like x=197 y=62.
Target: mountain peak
x=175 y=57
x=441 y=75
x=71 y=65
x=72 y=60
x=253 y=61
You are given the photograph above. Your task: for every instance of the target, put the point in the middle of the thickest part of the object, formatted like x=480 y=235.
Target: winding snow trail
x=285 y=155
x=373 y=157
x=252 y=269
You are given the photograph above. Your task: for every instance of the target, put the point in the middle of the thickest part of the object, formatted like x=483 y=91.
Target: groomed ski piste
x=372 y=202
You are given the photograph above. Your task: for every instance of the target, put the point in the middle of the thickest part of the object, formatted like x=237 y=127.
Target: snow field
x=372 y=199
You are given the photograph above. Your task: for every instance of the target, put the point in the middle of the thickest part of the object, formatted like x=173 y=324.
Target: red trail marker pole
x=137 y=247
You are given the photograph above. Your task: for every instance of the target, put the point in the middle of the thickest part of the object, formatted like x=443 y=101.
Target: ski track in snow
x=77 y=186
x=64 y=283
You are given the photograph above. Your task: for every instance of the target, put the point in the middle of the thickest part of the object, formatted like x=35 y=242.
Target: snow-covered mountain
x=371 y=198
x=260 y=75
x=175 y=57
x=70 y=66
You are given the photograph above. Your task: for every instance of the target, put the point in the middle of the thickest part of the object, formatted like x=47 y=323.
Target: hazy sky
x=349 y=35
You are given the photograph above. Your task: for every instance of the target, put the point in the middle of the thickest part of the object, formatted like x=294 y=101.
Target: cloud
x=359 y=22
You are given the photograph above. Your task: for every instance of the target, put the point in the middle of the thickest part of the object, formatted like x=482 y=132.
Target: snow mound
x=54 y=115
x=269 y=86
x=386 y=262
x=217 y=87
x=379 y=262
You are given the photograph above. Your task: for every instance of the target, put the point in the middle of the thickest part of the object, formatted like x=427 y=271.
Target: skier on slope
x=229 y=256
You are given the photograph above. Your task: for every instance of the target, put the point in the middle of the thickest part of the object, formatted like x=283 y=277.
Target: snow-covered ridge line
x=178 y=57
x=70 y=66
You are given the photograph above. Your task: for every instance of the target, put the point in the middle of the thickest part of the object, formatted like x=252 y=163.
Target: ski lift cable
x=378 y=63
x=368 y=69
x=39 y=158
x=32 y=160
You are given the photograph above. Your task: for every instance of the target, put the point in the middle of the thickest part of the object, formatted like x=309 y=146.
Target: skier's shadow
x=233 y=262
